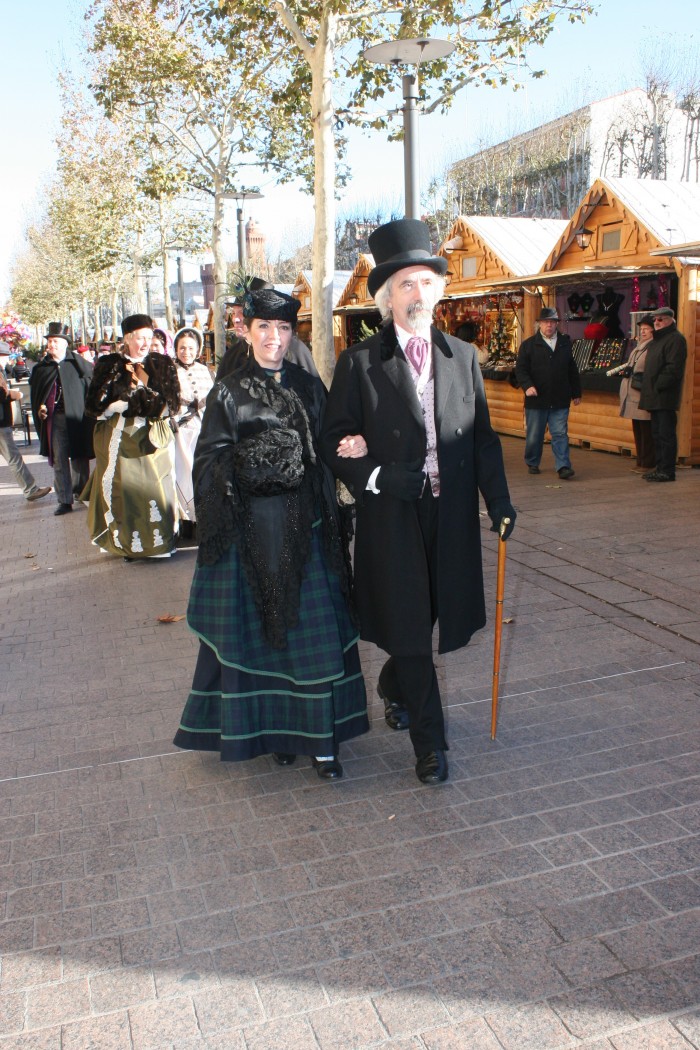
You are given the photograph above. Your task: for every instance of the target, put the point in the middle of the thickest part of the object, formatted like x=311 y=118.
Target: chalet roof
x=669 y=210
x=340 y=279
x=521 y=244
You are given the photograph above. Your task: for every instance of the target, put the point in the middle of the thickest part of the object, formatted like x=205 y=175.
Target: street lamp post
x=409 y=52
x=242 y=196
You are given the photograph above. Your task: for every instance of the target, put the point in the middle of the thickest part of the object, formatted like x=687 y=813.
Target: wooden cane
x=500 y=587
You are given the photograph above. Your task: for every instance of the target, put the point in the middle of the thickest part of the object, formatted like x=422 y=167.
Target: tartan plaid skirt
x=248 y=699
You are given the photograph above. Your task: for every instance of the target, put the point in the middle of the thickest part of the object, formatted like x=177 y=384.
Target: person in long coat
x=630 y=393
x=278 y=671
x=58 y=387
x=132 y=509
x=417 y=398
x=661 y=391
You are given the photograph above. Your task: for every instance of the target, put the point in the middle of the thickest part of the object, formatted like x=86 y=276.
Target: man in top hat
x=661 y=390
x=545 y=369
x=417 y=398
x=58 y=386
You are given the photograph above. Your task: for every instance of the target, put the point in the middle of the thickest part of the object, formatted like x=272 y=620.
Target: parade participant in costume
x=162 y=342
x=278 y=670
x=58 y=386
x=417 y=398
x=630 y=393
x=8 y=448
x=297 y=352
x=132 y=492
x=195 y=383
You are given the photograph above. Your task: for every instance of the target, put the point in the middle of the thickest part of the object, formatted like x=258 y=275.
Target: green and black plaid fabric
x=248 y=699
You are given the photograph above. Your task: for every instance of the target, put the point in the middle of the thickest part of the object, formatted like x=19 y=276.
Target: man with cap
x=8 y=448
x=417 y=398
x=545 y=369
x=58 y=386
x=661 y=391
x=133 y=393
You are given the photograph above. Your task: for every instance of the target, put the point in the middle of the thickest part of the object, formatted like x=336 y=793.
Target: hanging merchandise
x=663 y=291
x=635 y=294
x=652 y=298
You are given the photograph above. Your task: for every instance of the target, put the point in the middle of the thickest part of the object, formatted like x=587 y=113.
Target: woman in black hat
x=131 y=491
x=278 y=670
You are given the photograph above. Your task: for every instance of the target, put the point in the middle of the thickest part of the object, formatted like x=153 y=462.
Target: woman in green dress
x=278 y=670
x=132 y=394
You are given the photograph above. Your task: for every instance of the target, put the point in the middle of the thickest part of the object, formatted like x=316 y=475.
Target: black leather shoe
x=63 y=508
x=660 y=476
x=330 y=769
x=282 y=759
x=395 y=714
x=649 y=475
x=534 y=470
x=432 y=768
x=565 y=473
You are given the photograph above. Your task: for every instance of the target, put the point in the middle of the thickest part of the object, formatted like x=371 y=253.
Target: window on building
x=468 y=266
x=611 y=240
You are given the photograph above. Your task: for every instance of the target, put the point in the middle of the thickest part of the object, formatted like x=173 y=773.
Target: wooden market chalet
x=634 y=243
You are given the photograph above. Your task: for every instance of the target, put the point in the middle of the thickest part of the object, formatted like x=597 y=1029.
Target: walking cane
x=500 y=587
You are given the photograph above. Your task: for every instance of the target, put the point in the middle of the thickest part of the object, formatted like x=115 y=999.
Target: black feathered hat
x=133 y=322
x=270 y=305
x=58 y=331
x=396 y=245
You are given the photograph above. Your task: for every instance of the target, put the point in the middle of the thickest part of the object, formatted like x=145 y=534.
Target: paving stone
x=98 y=1033
x=347 y=1026
x=661 y=1036
x=234 y=1006
x=162 y=1023
x=468 y=1035
x=403 y=1015
x=57 y=1003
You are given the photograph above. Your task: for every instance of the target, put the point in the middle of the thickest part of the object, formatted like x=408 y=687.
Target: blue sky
x=583 y=61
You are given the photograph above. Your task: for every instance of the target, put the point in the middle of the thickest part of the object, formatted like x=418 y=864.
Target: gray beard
x=419 y=315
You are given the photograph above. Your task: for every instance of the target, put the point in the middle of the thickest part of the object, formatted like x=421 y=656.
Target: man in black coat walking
x=661 y=391
x=57 y=386
x=545 y=369
x=417 y=398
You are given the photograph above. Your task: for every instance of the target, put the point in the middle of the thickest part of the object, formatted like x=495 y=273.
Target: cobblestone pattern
x=547 y=897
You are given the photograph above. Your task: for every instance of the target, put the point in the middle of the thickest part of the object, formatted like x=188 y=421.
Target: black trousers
x=663 y=429
x=411 y=680
x=644 y=443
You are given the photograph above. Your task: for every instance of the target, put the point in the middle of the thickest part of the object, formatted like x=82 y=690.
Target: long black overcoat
x=373 y=394
x=75 y=374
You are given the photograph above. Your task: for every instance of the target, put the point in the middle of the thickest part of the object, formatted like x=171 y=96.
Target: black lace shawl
x=273 y=534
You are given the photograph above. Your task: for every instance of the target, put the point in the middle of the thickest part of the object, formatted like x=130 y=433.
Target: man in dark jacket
x=546 y=371
x=57 y=386
x=417 y=398
x=661 y=391
x=8 y=448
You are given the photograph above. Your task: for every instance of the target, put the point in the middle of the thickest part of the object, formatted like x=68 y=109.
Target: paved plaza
x=547 y=897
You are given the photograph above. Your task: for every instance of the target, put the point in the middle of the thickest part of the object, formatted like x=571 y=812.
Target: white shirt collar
x=403 y=336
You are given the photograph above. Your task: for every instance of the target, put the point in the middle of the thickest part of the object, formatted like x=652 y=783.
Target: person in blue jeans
x=545 y=369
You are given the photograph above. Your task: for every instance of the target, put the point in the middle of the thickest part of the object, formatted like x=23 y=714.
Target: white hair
x=383 y=294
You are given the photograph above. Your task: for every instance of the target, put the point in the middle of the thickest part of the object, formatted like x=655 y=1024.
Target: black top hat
x=267 y=304
x=58 y=330
x=547 y=313
x=396 y=245
x=133 y=322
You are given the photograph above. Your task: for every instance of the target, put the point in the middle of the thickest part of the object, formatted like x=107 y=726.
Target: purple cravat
x=417 y=352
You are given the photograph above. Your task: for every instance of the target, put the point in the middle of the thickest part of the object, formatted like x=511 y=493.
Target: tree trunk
x=217 y=247
x=137 y=263
x=115 y=313
x=323 y=248
x=165 y=263
x=86 y=320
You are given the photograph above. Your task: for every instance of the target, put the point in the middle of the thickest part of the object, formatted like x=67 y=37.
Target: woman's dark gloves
x=402 y=480
x=498 y=510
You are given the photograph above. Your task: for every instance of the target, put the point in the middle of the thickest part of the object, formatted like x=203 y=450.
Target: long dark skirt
x=248 y=699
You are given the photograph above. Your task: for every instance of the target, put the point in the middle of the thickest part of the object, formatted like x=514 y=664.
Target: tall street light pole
x=409 y=52
x=242 y=196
